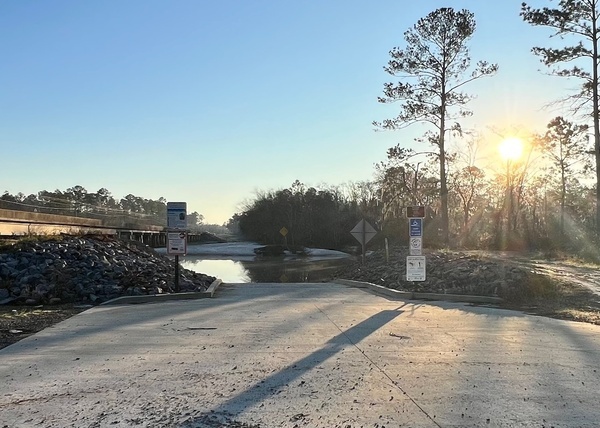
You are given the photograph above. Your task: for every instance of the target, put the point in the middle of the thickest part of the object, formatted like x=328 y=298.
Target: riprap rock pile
x=88 y=269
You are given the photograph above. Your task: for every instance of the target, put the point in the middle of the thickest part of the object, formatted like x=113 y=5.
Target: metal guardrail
x=23 y=223
x=42 y=219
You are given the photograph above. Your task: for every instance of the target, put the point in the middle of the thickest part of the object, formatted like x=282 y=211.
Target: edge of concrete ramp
x=156 y=298
x=410 y=295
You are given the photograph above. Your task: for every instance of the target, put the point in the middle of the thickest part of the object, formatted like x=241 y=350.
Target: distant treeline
x=528 y=209
x=318 y=218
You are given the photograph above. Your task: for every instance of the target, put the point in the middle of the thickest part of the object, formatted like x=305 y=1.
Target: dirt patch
x=572 y=288
x=19 y=322
x=570 y=301
x=552 y=288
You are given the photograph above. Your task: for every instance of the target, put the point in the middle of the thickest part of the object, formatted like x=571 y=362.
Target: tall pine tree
x=433 y=68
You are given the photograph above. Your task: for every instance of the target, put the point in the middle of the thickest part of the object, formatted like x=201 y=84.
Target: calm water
x=261 y=270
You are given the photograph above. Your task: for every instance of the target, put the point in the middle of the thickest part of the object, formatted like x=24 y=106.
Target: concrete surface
x=303 y=355
x=160 y=298
x=411 y=295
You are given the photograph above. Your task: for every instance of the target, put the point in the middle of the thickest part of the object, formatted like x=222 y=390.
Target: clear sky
x=209 y=101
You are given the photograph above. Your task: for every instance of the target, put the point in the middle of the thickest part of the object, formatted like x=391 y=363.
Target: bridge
x=14 y=223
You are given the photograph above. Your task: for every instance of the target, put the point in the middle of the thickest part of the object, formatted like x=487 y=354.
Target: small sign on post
x=284 y=233
x=416 y=245
x=177 y=243
x=177 y=215
x=415 y=262
x=418 y=212
x=415 y=268
x=363 y=232
x=415 y=226
x=177 y=234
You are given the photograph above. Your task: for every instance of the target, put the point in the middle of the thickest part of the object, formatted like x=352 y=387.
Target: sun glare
x=511 y=148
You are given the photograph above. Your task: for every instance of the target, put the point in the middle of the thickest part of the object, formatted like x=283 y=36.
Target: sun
x=511 y=148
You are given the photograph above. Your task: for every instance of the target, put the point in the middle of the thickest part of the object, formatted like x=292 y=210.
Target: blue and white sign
x=415 y=226
x=176 y=215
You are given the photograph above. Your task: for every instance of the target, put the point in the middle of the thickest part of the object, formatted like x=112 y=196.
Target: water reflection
x=227 y=270
x=265 y=270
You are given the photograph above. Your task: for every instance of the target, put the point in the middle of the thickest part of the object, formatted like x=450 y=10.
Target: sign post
x=284 y=233
x=415 y=262
x=176 y=234
x=363 y=232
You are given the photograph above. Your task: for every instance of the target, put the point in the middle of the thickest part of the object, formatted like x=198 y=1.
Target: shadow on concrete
x=273 y=384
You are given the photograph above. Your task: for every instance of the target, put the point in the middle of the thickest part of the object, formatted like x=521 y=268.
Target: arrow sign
x=363 y=232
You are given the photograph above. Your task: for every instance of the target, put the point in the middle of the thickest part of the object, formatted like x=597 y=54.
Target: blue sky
x=209 y=101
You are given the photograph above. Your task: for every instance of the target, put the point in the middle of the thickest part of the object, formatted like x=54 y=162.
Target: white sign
x=415 y=268
x=363 y=230
x=176 y=243
x=416 y=246
x=177 y=215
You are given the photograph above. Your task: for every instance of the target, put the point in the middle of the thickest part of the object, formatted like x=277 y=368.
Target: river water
x=237 y=263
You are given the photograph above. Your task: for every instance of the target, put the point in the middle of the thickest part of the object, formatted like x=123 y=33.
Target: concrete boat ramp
x=303 y=355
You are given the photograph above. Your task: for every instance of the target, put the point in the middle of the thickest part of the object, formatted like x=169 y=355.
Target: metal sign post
x=177 y=288
x=363 y=232
x=176 y=234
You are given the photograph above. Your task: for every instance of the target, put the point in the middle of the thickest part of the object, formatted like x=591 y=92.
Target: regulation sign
x=415 y=226
x=176 y=243
x=415 y=268
x=177 y=215
x=416 y=246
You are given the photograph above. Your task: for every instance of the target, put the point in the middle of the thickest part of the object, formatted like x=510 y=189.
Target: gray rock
x=76 y=268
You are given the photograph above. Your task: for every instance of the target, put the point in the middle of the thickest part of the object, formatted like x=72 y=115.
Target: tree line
x=548 y=198
x=311 y=217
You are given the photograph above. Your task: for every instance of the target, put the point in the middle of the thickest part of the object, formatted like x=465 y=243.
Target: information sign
x=415 y=268
x=177 y=215
x=415 y=226
x=177 y=243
